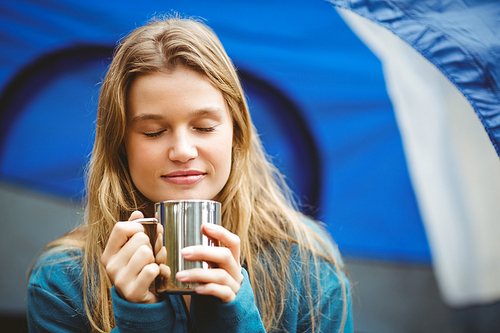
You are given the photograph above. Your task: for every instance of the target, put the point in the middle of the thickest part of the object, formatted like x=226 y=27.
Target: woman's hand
x=130 y=262
x=224 y=278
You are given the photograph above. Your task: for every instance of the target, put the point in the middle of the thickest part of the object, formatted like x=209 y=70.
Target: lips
x=184 y=177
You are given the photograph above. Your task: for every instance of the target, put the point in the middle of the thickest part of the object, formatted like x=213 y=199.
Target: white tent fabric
x=455 y=169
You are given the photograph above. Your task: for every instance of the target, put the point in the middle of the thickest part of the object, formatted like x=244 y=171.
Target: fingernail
x=209 y=226
x=181 y=275
x=187 y=251
x=199 y=289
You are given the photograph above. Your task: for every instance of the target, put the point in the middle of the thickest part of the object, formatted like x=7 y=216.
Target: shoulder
x=55 y=264
x=55 y=294
x=321 y=262
x=323 y=277
x=316 y=257
x=58 y=273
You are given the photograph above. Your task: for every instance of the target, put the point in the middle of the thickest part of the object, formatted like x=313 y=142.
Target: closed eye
x=205 y=129
x=153 y=134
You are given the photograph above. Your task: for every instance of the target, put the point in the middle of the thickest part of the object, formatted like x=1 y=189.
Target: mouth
x=184 y=177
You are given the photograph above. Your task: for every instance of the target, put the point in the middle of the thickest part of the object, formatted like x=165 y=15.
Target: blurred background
x=325 y=92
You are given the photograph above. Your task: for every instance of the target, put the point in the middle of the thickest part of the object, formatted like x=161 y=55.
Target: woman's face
x=179 y=136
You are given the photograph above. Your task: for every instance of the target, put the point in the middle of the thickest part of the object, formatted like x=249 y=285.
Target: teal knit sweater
x=55 y=303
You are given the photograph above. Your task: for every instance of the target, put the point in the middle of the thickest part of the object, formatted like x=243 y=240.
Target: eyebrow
x=209 y=111
x=146 y=117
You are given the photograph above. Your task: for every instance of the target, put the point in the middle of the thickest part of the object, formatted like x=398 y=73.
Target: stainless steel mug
x=182 y=220
x=149 y=224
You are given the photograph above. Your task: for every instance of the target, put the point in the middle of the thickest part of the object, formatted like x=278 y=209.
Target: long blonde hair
x=256 y=204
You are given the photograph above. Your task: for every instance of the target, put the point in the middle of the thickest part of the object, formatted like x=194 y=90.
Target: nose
x=182 y=148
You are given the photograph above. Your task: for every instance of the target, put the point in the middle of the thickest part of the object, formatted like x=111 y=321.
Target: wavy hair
x=256 y=203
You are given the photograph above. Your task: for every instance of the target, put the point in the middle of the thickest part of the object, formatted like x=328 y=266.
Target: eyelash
x=201 y=129
x=205 y=129
x=153 y=135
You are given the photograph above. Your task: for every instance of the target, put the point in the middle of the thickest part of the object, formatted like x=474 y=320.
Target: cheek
x=220 y=152
x=140 y=158
x=226 y=158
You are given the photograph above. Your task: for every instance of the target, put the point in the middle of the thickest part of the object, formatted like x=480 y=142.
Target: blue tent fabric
x=272 y=111
x=304 y=57
x=461 y=38
x=440 y=61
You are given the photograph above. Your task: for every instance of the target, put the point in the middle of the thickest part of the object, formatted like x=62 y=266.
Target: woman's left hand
x=224 y=278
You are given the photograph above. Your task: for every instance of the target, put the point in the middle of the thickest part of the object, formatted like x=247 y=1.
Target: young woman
x=173 y=123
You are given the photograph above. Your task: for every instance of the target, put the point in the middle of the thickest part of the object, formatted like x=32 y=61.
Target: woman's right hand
x=131 y=263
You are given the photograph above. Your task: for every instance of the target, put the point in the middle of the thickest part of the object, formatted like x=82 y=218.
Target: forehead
x=181 y=89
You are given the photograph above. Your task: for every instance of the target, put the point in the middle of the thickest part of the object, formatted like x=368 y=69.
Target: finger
x=227 y=238
x=146 y=278
x=164 y=277
x=221 y=256
x=159 y=239
x=165 y=271
x=121 y=233
x=119 y=261
x=224 y=293
x=205 y=276
x=142 y=256
x=136 y=215
x=161 y=256
x=127 y=274
x=138 y=289
x=160 y=228
x=134 y=242
x=151 y=228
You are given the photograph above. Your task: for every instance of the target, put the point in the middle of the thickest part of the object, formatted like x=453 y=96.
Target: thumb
x=136 y=215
